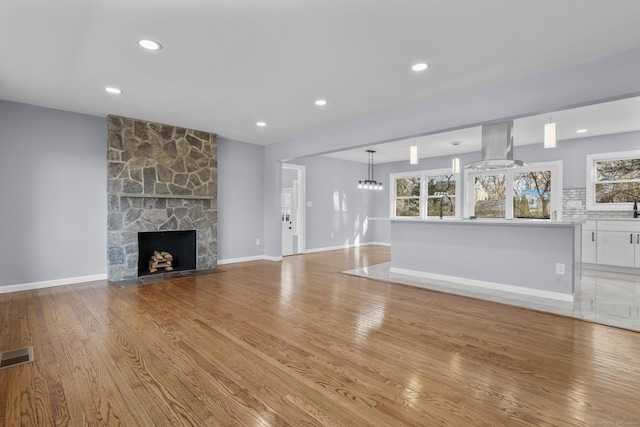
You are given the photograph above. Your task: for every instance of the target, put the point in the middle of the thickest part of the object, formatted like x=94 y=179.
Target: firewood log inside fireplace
x=160 y=259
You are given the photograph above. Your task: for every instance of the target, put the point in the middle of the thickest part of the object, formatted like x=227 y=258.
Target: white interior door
x=287 y=221
x=293 y=208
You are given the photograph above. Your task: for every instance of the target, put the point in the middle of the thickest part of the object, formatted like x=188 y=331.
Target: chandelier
x=370 y=183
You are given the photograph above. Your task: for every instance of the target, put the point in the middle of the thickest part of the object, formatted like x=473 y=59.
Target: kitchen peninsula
x=533 y=257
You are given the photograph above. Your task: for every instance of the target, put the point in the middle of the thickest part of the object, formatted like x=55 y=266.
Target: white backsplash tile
x=574 y=202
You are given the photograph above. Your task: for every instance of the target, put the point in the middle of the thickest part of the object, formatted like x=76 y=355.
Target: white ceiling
x=598 y=119
x=229 y=63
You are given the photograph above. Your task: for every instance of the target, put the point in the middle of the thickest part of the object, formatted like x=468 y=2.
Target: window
x=535 y=192
x=407 y=197
x=613 y=180
x=489 y=195
x=424 y=194
x=532 y=194
x=441 y=192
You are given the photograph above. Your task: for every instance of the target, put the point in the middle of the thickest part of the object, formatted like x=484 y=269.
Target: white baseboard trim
x=487 y=285
x=249 y=258
x=51 y=283
x=327 y=248
x=349 y=246
x=242 y=259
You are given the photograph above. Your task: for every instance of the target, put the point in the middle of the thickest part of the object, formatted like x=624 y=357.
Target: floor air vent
x=16 y=357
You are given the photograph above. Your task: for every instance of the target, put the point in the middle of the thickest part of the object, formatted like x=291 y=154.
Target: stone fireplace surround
x=160 y=177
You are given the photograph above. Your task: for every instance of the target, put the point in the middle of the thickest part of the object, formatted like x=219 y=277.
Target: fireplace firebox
x=180 y=244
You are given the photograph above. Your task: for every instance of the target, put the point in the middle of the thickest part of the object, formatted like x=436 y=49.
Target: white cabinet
x=616 y=248
x=618 y=243
x=589 y=242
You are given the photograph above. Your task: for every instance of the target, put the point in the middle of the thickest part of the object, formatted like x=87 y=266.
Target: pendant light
x=370 y=183
x=413 y=154
x=455 y=161
x=550 y=134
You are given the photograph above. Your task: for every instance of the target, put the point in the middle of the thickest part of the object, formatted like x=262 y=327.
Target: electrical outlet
x=257 y=242
x=332 y=235
x=559 y=268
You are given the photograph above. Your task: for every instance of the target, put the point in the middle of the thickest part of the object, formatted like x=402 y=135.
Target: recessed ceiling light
x=582 y=130
x=321 y=102
x=261 y=124
x=113 y=90
x=150 y=44
x=421 y=66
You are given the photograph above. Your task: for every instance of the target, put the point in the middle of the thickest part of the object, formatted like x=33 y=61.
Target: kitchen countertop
x=486 y=221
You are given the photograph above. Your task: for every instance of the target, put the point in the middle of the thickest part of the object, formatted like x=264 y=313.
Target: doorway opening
x=293 y=203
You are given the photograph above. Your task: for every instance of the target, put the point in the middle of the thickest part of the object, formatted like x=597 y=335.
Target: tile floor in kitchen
x=603 y=297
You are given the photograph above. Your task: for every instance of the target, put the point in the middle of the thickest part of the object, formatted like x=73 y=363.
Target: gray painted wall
x=338 y=206
x=53 y=170
x=240 y=199
x=288 y=176
x=67 y=151
x=37 y=209
x=54 y=199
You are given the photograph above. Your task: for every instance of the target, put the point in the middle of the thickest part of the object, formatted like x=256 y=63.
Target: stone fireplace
x=160 y=178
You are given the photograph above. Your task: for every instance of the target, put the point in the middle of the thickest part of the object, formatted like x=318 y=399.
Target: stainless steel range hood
x=497 y=148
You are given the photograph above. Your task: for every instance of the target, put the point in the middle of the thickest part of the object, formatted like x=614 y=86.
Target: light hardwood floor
x=298 y=343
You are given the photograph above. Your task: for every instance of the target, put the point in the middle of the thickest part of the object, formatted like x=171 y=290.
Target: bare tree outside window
x=421 y=194
x=408 y=197
x=489 y=196
x=617 y=181
x=530 y=189
x=532 y=195
x=436 y=187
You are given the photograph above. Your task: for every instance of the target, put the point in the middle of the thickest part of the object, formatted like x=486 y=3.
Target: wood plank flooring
x=297 y=343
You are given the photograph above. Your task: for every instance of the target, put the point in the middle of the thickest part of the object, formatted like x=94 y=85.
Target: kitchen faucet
x=442 y=196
